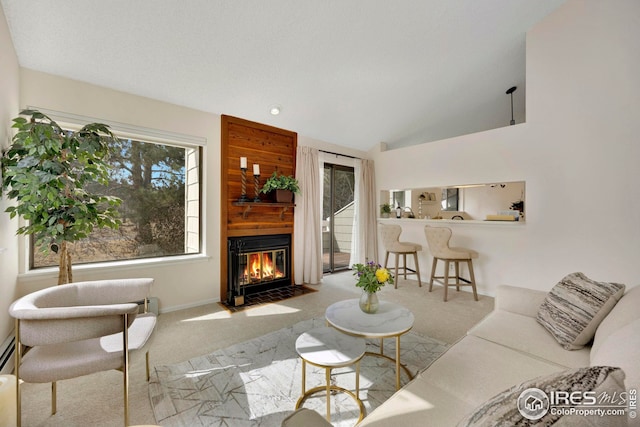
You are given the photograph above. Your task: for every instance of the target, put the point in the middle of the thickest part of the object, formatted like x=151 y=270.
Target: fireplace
x=257 y=263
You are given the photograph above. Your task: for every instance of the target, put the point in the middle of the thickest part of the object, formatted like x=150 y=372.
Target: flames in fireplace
x=257 y=263
x=264 y=266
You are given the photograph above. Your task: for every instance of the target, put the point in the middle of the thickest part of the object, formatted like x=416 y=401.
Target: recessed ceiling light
x=275 y=110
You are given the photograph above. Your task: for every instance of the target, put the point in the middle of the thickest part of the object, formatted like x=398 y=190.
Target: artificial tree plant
x=47 y=171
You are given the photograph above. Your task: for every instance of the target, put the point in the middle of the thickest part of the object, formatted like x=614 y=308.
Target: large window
x=159 y=184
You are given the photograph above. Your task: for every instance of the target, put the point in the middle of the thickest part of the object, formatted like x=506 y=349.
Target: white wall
x=177 y=284
x=9 y=104
x=578 y=151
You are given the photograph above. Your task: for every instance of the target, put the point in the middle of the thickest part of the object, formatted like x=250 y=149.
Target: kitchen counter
x=435 y=222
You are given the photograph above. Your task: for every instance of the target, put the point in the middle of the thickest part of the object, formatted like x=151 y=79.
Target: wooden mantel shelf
x=249 y=205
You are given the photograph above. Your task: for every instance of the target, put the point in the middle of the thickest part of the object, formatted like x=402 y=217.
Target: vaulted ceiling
x=350 y=72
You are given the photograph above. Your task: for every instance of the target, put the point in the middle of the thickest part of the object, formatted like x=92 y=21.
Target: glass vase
x=369 y=302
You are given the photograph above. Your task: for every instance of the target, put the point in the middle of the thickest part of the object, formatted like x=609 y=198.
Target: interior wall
x=9 y=105
x=578 y=154
x=42 y=90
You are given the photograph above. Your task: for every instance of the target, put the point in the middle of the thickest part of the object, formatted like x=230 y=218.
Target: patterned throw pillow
x=503 y=409
x=575 y=307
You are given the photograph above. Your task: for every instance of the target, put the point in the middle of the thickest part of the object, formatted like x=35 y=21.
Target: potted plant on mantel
x=283 y=187
x=48 y=170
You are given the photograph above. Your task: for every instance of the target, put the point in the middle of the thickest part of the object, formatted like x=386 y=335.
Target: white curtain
x=364 y=246
x=307 y=224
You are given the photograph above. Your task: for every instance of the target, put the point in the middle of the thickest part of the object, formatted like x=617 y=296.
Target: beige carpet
x=185 y=334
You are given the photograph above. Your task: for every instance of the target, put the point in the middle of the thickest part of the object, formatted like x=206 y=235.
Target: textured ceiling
x=349 y=72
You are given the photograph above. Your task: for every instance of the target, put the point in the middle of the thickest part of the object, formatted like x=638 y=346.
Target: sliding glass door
x=337 y=217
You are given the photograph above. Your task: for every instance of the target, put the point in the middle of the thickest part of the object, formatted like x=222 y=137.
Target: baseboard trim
x=186 y=306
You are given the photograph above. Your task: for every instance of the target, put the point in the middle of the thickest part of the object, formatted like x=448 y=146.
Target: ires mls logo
x=533 y=403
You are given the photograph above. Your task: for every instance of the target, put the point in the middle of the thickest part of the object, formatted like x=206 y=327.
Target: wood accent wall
x=273 y=149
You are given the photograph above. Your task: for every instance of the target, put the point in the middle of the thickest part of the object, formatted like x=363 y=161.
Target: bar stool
x=438 y=241
x=391 y=240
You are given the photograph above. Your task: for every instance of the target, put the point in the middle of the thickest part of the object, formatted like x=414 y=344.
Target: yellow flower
x=382 y=274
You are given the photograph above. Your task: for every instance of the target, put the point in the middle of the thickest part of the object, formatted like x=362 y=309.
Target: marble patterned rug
x=258 y=382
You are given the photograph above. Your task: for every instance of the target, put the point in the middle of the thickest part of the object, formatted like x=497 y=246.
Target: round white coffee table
x=328 y=348
x=390 y=321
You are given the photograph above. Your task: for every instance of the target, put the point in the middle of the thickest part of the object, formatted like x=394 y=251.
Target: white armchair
x=80 y=328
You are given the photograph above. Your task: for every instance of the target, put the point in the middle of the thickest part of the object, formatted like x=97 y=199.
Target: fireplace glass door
x=262 y=266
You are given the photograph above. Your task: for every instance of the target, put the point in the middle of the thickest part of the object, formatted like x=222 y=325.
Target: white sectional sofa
x=508 y=348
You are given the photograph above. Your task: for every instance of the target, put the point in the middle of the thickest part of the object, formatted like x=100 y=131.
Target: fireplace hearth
x=256 y=264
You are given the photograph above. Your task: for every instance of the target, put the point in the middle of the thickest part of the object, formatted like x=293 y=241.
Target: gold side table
x=390 y=321
x=328 y=348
